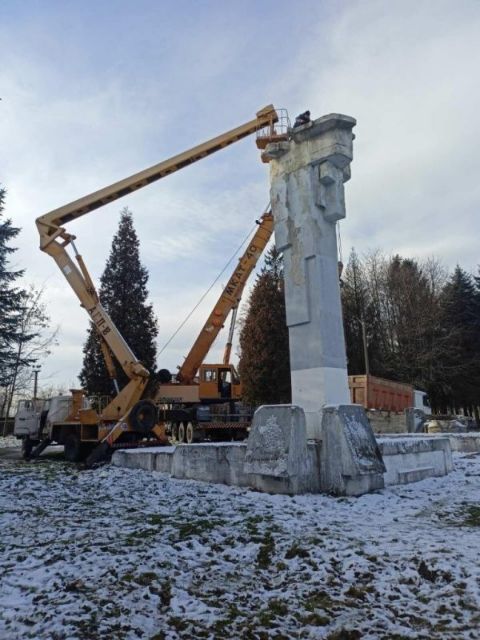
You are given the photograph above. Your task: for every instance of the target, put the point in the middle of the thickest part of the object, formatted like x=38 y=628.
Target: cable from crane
x=188 y=316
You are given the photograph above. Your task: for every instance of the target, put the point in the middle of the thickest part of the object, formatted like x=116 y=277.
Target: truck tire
x=190 y=433
x=73 y=448
x=181 y=433
x=27 y=447
x=143 y=416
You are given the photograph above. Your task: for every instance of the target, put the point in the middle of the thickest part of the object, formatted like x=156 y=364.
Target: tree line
x=404 y=319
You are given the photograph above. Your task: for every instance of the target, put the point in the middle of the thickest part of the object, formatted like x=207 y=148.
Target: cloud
x=90 y=97
x=405 y=70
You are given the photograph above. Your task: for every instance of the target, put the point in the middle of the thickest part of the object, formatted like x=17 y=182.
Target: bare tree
x=35 y=339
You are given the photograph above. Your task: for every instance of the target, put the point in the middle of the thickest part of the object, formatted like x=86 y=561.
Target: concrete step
x=405 y=476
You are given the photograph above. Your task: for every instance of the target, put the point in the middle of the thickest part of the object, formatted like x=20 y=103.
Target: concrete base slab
x=410 y=459
x=459 y=442
x=407 y=459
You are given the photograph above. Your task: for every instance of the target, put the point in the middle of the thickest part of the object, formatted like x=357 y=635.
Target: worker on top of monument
x=303 y=118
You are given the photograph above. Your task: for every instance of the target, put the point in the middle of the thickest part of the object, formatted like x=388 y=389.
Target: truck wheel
x=73 y=448
x=27 y=447
x=181 y=432
x=190 y=433
x=143 y=416
x=174 y=436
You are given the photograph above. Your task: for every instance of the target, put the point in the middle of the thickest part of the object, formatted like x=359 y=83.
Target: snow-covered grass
x=125 y=554
x=9 y=441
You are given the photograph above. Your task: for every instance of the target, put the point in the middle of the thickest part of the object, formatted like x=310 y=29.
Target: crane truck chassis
x=139 y=408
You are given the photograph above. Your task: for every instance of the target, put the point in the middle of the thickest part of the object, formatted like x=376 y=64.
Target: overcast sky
x=95 y=91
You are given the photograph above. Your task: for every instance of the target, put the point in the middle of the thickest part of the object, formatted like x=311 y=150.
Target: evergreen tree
x=11 y=298
x=264 y=360
x=123 y=293
x=355 y=308
x=461 y=319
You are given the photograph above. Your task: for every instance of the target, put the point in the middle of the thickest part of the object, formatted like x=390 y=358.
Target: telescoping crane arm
x=50 y=223
x=54 y=240
x=227 y=301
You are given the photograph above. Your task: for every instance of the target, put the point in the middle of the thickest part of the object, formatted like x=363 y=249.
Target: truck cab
x=219 y=382
x=29 y=417
x=44 y=420
x=421 y=401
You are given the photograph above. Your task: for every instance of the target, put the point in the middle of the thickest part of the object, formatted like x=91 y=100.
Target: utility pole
x=36 y=371
x=365 y=349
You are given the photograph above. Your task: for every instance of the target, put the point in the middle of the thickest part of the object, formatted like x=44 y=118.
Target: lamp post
x=36 y=371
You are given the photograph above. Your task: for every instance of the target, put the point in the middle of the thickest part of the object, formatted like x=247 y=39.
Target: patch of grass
x=296 y=551
x=344 y=634
x=145 y=579
x=360 y=593
x=472 y=516
x=267 y=549
x=178 y=623
x=165 y=593
x=275 y=608
x=318 y=600
x=189 y=529
x=314 y=619
x=426 y=573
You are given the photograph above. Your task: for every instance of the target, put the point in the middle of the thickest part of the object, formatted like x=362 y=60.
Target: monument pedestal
x=350 y=461
x=346 y=462
x=276 y=460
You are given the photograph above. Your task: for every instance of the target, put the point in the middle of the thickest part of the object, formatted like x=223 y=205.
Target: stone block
x=407 y=459
x=134 y=459
x=164 y=460
x=220 y=463
x=350 y=460
x=465 y=443
x=276 y=458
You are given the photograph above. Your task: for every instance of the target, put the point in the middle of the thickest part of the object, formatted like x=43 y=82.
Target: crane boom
x=227 y=301
x=50 y=222
x=54 y=240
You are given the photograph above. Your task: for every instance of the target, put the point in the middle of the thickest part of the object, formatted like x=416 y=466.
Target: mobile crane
x=217 y=383
x=127 y=416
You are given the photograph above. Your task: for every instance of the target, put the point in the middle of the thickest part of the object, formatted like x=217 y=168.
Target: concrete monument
x=307 y=174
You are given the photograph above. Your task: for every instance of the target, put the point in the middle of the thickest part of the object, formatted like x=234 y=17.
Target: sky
x=92 y=92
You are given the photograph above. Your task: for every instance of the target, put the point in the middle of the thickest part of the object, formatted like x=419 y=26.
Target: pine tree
x=11 y=297
x=264 y=361
x=461 y=319
x=123 y=293
x=354 y=306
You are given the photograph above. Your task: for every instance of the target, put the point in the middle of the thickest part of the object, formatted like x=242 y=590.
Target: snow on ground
x=9 y=441
x=126 y=554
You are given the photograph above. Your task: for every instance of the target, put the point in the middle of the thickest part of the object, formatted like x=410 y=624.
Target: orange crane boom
x=228 y=300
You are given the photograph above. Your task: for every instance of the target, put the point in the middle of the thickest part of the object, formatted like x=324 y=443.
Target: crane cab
x=219 y=382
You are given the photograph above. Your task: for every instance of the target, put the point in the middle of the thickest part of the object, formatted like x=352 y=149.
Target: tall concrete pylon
x=307 y=176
